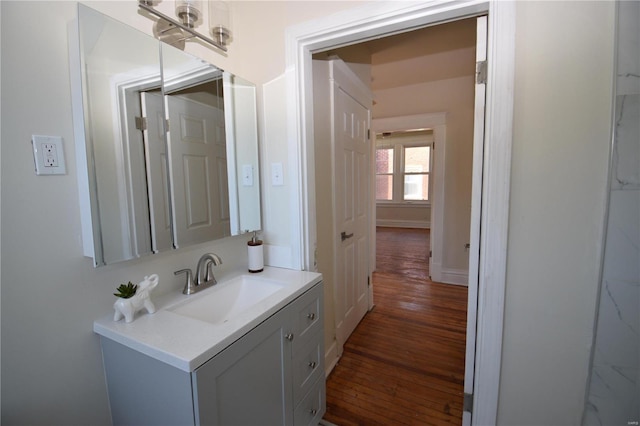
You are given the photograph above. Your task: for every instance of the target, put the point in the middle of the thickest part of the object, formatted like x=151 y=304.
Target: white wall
x=562 y=116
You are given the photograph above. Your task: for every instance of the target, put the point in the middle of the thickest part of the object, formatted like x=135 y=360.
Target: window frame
x=398 y=143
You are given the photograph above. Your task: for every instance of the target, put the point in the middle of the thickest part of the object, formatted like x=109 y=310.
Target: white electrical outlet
x=48 y=155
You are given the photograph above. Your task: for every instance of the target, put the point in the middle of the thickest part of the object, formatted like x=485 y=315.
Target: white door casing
x=476 y=205
x=131 y=107
x=197 y=154
x=351 y=150
x=157 y=177
x=379 y=19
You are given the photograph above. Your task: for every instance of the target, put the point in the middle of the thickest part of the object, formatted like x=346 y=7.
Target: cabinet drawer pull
x=313 y=411
x=313 y=364
x=289 y=336
x=311 y=316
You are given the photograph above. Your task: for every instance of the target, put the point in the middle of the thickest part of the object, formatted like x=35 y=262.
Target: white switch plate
x=48 y=155
x=277 y=178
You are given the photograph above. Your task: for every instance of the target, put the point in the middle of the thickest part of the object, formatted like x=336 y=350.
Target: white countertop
x=187 y=343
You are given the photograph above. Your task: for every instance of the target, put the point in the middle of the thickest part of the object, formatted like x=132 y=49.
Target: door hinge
x=368 y=281
x=368 y=134
x=141 y=123
x=481 y=72
x=166 y=125
x=468 y=403
x=430 y=253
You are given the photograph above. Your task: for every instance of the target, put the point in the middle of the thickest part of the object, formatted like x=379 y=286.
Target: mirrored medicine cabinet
x=167 y=144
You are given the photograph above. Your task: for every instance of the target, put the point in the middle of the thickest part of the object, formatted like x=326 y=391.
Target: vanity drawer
x=312 y=407
x=307 y=368
x=307 y=318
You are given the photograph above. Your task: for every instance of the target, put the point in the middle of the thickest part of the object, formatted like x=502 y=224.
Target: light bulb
x=189 y=12
x=220 y=21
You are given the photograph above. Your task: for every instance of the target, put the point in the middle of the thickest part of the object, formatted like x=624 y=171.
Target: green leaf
x=126 y=291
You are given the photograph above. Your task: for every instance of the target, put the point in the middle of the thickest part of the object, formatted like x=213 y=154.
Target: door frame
x=388 y=18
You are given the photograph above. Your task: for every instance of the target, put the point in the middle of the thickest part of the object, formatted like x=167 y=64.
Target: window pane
x=384 y=187
x=416 y=159
x=384 y=160
x=416 y=187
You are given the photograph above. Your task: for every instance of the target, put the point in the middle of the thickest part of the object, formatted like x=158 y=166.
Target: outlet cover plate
x=48 y=155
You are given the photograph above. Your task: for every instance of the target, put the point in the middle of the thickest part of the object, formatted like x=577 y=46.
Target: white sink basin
x=224 y=301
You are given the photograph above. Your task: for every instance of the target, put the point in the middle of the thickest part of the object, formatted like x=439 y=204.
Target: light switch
x=277 y=178
x=247 y=175
x=48 y=155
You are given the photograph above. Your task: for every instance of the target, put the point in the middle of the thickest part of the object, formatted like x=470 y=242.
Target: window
x=384 y=174
x=403 y=166
x=416 y=173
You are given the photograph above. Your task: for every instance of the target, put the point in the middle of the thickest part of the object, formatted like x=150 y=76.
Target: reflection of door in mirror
x=198 y=159
x=156 y=168
x=136 y=181
x=145 y=149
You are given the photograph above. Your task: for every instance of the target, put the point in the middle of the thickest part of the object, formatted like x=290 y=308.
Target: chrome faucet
x=207 y=260
x=204 y=267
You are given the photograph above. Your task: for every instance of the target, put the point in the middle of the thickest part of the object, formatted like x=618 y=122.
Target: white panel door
x=197 y=154
x=351 y=168
x=476 y=201
x=156 y=164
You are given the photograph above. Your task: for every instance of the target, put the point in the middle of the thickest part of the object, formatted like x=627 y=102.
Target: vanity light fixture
x=189 y=13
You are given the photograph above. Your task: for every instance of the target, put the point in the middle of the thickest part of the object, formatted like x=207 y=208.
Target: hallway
x=404 y=363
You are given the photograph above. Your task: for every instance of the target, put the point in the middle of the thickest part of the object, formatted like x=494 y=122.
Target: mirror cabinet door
x=171 y=144
x=113 y=80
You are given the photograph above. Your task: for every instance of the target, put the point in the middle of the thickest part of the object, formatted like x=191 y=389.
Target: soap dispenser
x=256 y=255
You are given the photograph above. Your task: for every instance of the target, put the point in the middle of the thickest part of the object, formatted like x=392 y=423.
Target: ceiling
x=434 y=53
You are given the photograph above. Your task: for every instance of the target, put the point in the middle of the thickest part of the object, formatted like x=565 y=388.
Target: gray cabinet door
x=143 y=390
x=249 y=383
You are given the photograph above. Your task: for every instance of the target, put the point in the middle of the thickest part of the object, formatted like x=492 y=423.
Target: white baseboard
x=331 y=358
x=449 y=276
x=390 y=223
x=455 y=276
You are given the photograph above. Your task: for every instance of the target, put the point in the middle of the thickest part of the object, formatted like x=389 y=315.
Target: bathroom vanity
x=257 y=363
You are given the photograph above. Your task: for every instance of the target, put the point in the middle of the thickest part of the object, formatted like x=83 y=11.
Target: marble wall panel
x=614 y=389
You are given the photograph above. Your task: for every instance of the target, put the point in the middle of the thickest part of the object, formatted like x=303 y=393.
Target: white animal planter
x=127 y=308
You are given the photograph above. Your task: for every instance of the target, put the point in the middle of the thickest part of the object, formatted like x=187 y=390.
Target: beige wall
x=403 y=217
x=562 y=114
x=51 y=367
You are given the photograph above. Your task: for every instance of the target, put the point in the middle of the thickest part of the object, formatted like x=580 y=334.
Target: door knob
x=345 y=236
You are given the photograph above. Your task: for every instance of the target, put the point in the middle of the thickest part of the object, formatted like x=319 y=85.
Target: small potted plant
x=132 y=298
x=126 y=291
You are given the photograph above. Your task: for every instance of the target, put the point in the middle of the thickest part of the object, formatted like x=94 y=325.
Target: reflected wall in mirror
x=241 y=123
x=166 y=137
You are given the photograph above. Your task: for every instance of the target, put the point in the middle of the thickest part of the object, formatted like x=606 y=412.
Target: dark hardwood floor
x=404 y=363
